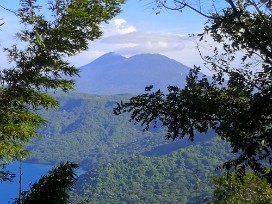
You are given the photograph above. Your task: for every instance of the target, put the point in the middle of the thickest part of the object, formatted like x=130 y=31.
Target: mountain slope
x=166 y=179
x=114 y=74
x=85 y=131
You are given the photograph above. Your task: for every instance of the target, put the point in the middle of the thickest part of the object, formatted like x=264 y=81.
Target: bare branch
x=12 y=11
x=181 y=5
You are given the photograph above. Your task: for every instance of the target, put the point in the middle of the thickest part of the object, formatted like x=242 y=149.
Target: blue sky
x=137 y=29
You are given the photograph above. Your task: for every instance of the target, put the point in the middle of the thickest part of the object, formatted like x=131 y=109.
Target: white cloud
x=123 y=38
x=123 y=27
x=142 y=42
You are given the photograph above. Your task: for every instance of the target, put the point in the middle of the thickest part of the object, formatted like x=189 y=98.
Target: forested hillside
x=180 y=177
x=123 y=164
x=85 y=131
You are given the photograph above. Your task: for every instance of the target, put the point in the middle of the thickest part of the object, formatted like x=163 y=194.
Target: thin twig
x=183 y=5
x=12 y=11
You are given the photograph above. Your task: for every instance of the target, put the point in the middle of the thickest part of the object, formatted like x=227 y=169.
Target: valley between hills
x=123 y=163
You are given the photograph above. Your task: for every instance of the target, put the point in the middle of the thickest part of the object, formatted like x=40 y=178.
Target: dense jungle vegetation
x=122 y=162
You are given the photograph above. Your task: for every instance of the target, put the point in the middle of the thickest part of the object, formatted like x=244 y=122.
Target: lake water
x=31 y=173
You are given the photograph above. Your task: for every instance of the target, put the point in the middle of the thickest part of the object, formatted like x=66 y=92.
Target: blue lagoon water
x=31 y=173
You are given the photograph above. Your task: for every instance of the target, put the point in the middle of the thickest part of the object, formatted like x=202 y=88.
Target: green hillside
x=166 y=179
x=85 y=131
x=124 y=164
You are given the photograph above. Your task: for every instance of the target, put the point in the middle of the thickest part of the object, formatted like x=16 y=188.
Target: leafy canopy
x=228 y=190
x=52 y=188
x=239 y=110
x=38 y=65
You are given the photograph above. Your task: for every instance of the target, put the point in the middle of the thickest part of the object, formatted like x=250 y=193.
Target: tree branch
x=12 y=11
x=253 y=38
x=183 y=5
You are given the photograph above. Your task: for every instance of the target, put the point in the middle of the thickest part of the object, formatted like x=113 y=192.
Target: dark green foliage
x=239 y=110
x=85 y=131
x=166 y=179
x=6 y=176
x=52 y=188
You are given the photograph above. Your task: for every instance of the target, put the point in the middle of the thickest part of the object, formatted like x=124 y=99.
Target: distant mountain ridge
x=114 y=74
